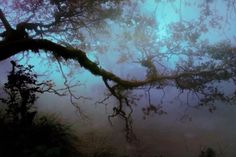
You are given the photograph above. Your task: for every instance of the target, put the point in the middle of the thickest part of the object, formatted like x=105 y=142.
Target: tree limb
x=10 y=48
x=5 y=22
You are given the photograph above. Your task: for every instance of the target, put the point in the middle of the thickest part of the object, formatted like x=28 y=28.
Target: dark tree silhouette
x=22 y=91
x=59 y=16
x=21 y=133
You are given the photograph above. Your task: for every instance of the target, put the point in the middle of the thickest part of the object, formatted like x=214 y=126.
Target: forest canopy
x=192 y=53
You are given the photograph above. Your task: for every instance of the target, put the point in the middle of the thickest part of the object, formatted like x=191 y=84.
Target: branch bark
x=5 y=22
x=10 y=48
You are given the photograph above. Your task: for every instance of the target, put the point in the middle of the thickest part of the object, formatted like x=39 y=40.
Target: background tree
x=21 y=89
x=23 y=132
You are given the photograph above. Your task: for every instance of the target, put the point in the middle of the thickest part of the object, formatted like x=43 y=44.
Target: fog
x=186 y=129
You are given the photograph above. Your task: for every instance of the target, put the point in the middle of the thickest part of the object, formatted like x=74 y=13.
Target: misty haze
x=117 y=78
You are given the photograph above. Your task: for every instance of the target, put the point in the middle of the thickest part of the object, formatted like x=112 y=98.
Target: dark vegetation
x=45 y=137
x=25 y=133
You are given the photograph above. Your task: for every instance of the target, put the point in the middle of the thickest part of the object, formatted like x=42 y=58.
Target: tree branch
x=5 y=22
x=10 y=48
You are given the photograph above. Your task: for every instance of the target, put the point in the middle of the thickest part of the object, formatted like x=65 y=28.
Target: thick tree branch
x=5 y=22
x=10 y=48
